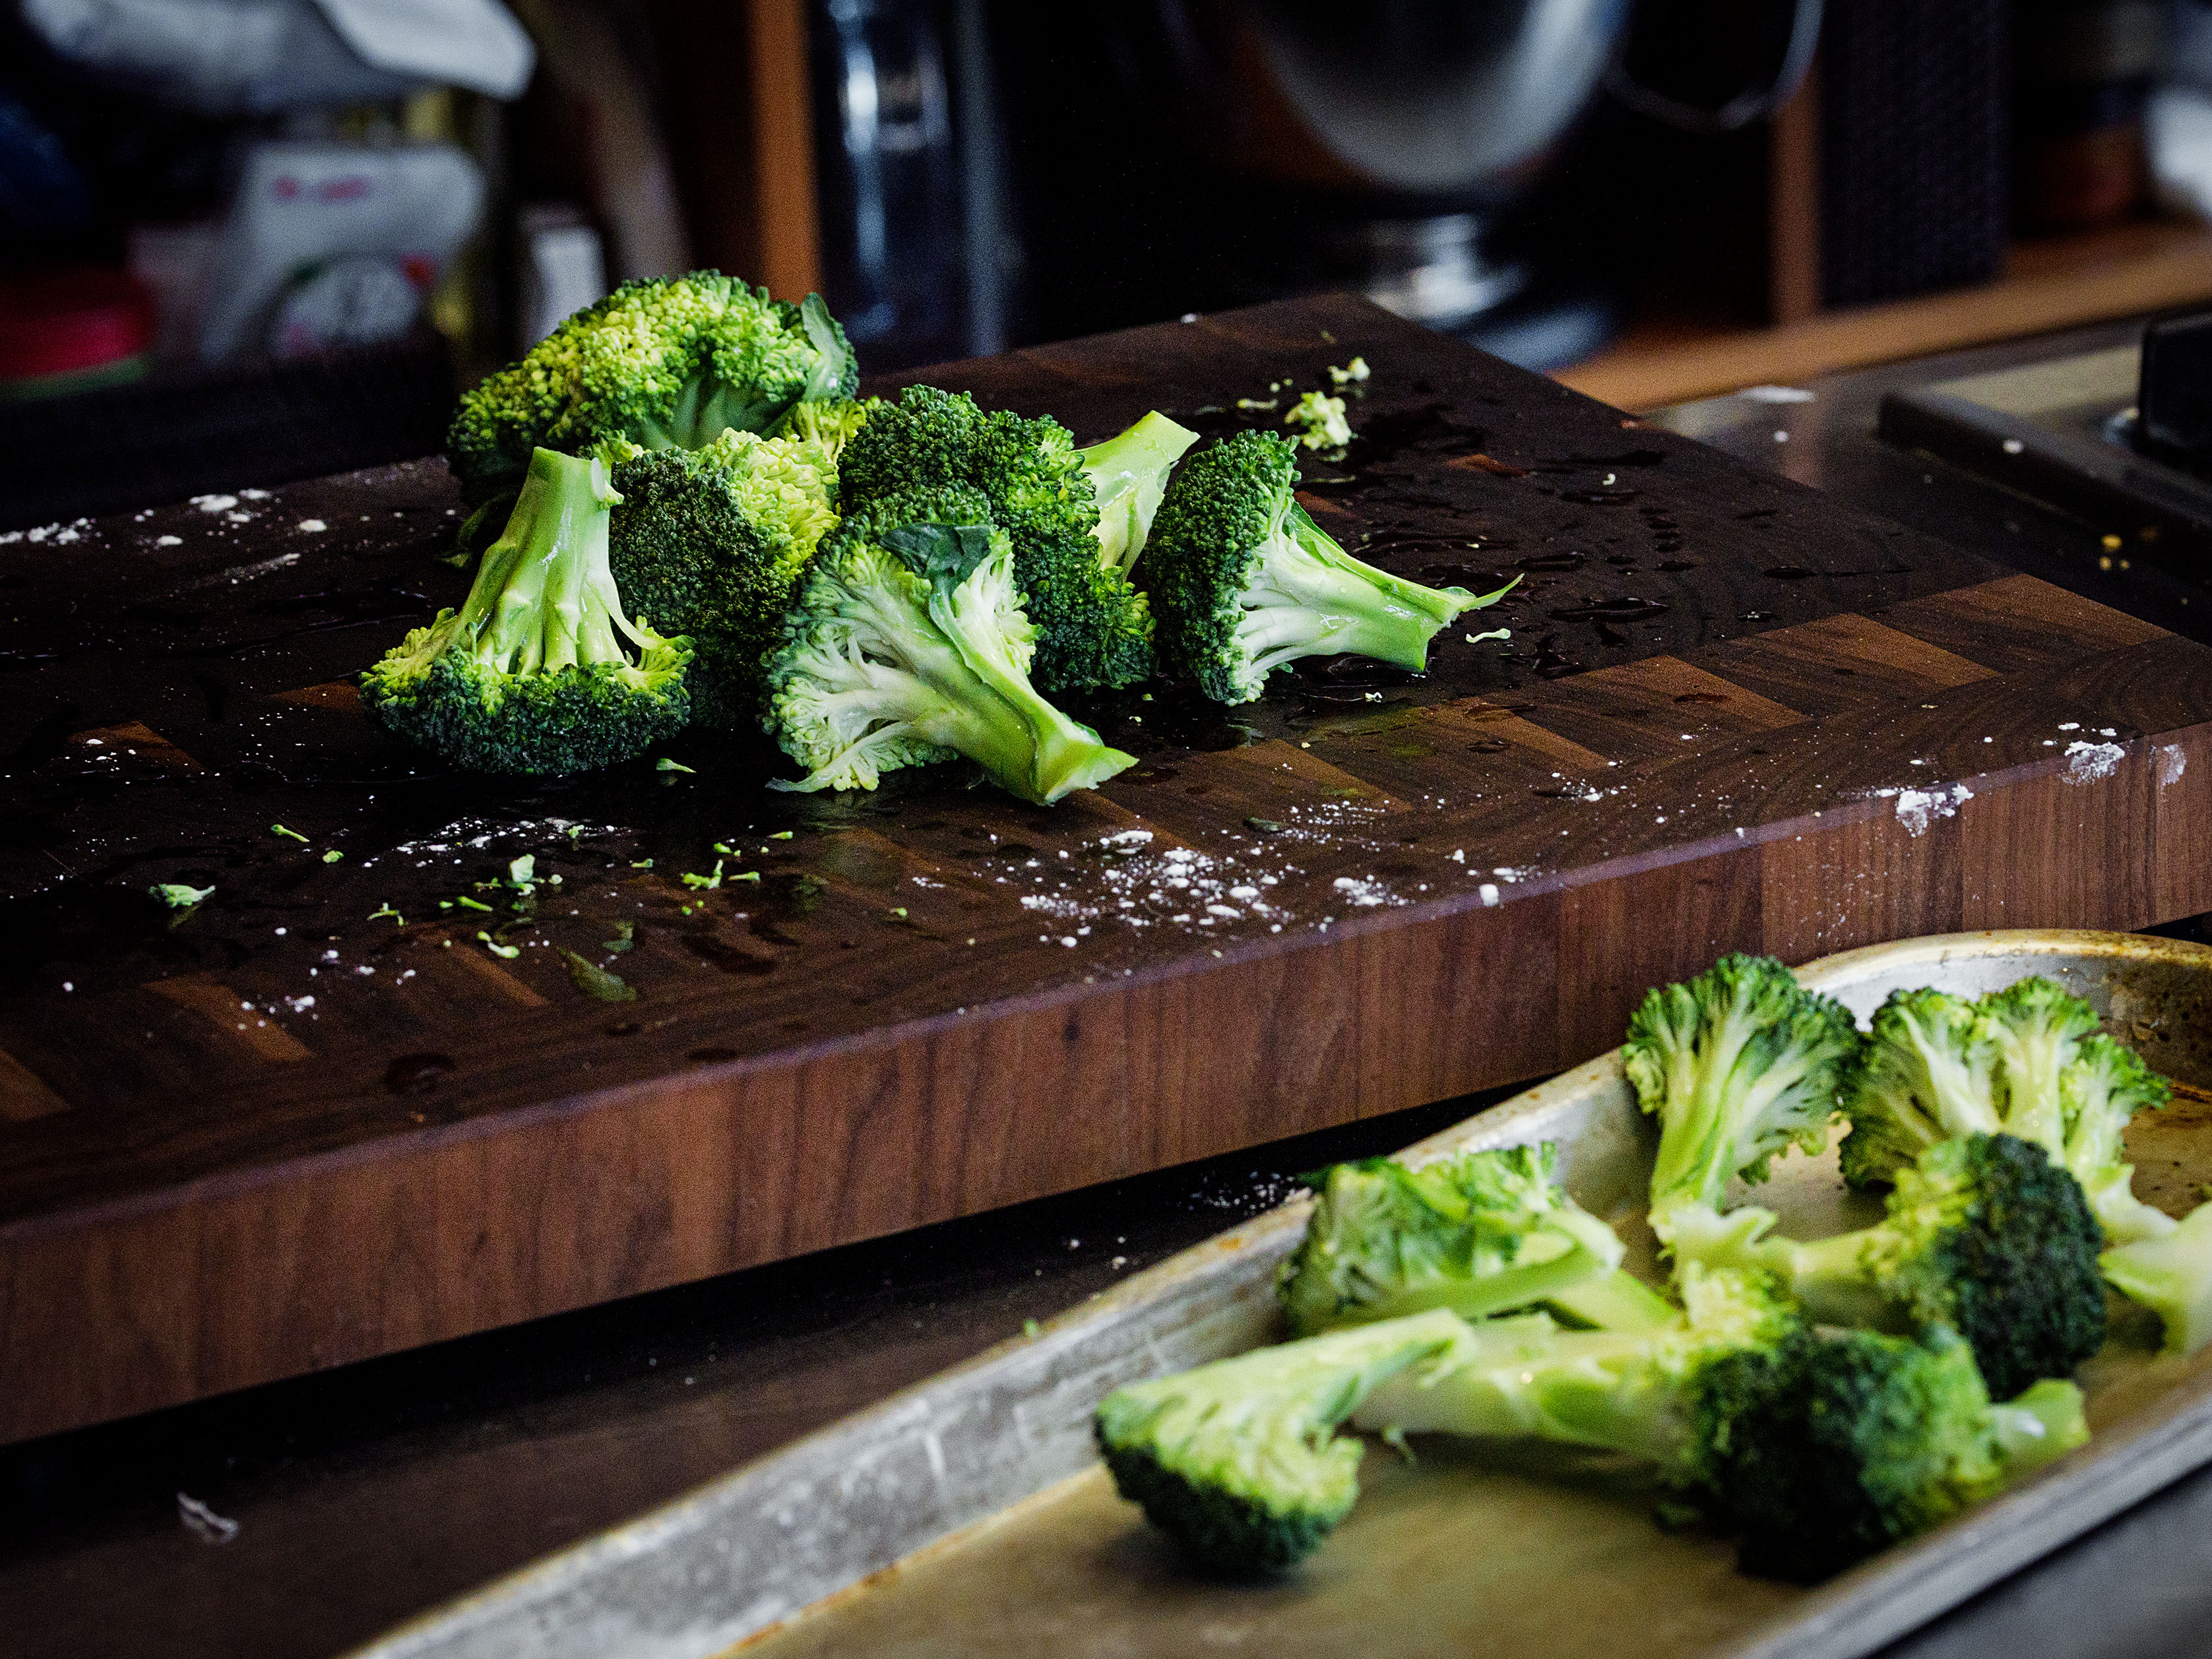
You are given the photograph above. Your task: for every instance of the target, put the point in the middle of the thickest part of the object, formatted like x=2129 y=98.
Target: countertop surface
x=362 y=1496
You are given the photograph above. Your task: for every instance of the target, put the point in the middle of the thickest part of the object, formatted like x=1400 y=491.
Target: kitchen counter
x=365 y=1495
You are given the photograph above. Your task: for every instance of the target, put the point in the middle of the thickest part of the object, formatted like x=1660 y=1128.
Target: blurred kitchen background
x=287 y=228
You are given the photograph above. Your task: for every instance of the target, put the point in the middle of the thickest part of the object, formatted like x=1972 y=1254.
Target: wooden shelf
x=2048 y=284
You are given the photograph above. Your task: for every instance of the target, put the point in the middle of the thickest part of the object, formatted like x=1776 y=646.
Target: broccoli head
x=1238 y=1459
x=1985 y=1234
x=1244 y=581
x=1479 y=1234
x=535 y=672
x=666 y=362
x=1841 y=1446
x=711 y=542
x=1129 y=474
x=1928 y=1073
x=1093 y=628
x=1738 y=1064
x=908 y=645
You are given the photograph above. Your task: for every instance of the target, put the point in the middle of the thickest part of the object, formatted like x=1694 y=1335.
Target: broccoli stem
x=1129 y=472
x=2171 y=1275
x=1828 y=1277
x=1525 y=1377
x=545 y=598
x=1615 y=1301
x=2038 y=1426
x=1305 y=597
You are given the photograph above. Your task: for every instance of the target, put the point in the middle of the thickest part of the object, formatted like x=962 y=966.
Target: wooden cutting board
x=286 y=1131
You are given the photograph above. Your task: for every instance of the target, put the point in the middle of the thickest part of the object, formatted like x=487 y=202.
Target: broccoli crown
x=1237 y=1460
x=1987 y=1236
x=1093 y=628
x=711 y=543
x=1129 y=474
x=1478 y=1234
x=1666 y=1396
x=2038 y=1026
x=1846 y=1444
x=908 y=645
x=666 y=362
x=1244 y=581
x=531 y=673
x=1928 y=1073
x=1737 y=1064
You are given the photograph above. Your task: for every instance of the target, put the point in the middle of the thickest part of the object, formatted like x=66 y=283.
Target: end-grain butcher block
x=439 y=1051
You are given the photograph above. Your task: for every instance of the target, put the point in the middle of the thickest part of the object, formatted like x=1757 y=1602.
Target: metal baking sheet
x=968 y=1516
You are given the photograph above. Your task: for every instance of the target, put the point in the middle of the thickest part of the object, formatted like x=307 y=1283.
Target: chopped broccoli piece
x=1738 y=1064
x=1863 y=1440
x=1236 y=1460
x=1129 y=474
x=1479 y=1234
x=1321 y=417
x=711 y=542
x=2171 y=1273
x=1665 y=1396
x=1985 y=1234
x=177 y=896
x=530 y=674
x=908 y=645
x=2105 y=1086
x=1093 y=628
x=1817 y=1450
x=666 y=362
x=1243 y=582
x=1928 y=1073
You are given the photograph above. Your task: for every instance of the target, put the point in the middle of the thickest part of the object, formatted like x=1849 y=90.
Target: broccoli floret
x=1853 y=1443
x=666 y=362
x=2105 y=1086
x=1319 y=421
x=1244 y=581
x=1738 y=1064
x=2038 y=1026
x=1129 y=474
x=1928 y=1073
x=711 y=542
x=1237 y=1460
x=1818 y=1451
x=830 y=424
x=908 y=645
x=1665 y=1396
x=1093 y=628
x=2170 y=1272
x=1985 y=1235
x=532 y=673
x=1479 y=1234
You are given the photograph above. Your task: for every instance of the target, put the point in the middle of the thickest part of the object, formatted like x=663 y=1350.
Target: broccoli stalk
x=1928 y=1073
x=1738 y=1064
x=1817 y=1450
x=2038 y=1028
x=2171 y=1273
x=1237 y=1461
x=908 y=645
x=1985 y=1234
x=1129 y=474
x=533 y=673
x=1480 y=1234
x=1242 y=581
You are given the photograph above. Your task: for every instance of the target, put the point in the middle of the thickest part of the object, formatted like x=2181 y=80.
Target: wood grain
x=1731 y=716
